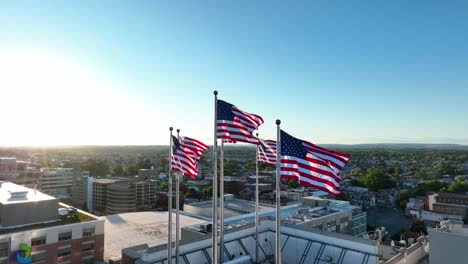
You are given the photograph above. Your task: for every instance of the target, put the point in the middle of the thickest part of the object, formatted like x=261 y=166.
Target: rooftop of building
x=299 y=245
x=81 y=216
x=131 y=229
x=106 y=180
x=454 y=195
x=452 y=226
x=11 y=193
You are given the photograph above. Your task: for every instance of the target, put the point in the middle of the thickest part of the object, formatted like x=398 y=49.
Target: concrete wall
x=413 y=254
x=18 y=214
x=448 y=247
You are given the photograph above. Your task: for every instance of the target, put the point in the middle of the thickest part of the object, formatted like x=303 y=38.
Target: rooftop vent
x=18 y=195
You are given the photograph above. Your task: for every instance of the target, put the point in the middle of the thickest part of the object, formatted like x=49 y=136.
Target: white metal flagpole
x=214 y=228
x=278 y=193
x=169 y=203
x=221 y=205
x=177 y=210
x=257 y=218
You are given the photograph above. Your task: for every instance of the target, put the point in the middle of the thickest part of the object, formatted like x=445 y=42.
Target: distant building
x=414 y=207
x=148 y=174
x=10 y=165
x=46 y=231
x=115 y=196
x=443 y=206
x=19 y=172
x=80 y=189
x=56 y=181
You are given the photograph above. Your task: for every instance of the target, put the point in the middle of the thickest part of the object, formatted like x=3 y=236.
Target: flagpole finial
x=278 y=122
x=215 y=92
x=178 y=130
x=170 y=128
x=256 y=134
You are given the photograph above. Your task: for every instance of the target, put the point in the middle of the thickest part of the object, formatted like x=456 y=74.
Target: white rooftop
x=131 y=229
x=12 y=193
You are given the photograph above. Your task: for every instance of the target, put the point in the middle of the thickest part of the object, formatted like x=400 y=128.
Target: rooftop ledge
x=81 y=216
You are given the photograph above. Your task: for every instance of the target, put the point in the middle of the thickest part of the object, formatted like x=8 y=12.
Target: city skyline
x=108 y=73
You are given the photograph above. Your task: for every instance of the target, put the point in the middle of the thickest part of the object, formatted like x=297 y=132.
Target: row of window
x=62 y=236
x=41 y=255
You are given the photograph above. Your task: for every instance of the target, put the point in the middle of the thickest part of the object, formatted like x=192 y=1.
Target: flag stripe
x=267 y=152
x=310 y=164
x=235 y=124
x=186 y=154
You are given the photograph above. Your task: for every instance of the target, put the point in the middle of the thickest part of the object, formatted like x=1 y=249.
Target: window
x=344 y=219
x=37 y=241
x=38 y=256
x=88 y=260
x=331 y=223
x=88 y=231
x=89 y=245
x=65 y=236
x=4 y=249
x=64 y=251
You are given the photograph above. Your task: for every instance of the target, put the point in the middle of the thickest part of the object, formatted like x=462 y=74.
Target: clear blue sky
x=122 y=72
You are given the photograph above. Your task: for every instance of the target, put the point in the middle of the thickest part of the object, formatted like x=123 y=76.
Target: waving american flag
x=267 y=152
x=235 y=125
x=185 y=155
x=310 y=164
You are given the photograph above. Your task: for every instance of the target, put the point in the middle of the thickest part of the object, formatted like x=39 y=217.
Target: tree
x=118 y=170
x=458 y=186
x=293 y=184
x=402 y=199
x=164 y=186
x=96 y=167
x=424 y=174
x=355 y=182
x=429 y=186
x=418 y=226
x=183 y=187
x=376 y=180
x=207 y=192
x=131 y=170
x=192 y=193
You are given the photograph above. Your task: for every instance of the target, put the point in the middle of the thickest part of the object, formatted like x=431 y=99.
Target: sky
x=123 y=72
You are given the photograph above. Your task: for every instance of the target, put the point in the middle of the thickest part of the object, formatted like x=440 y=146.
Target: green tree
x=458 y=186
x=293 y=184
x=402 y=199
x=425 y=174
x=418 y=226
x=377 y=180
x=207 y=192
x=183 y=187
x=429 y=186
x=192 y=193
x=118 y=170
x=164 y=186
x=355 y=182
x=96 y=167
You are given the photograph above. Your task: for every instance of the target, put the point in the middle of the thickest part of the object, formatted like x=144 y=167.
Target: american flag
x=310 y=164
x=236 y=125
x=267 y=152
x=186 y=154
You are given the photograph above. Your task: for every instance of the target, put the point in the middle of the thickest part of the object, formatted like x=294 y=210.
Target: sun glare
x=51 y=100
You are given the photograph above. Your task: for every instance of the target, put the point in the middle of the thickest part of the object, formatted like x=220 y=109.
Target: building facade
x=35 y=228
